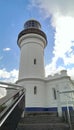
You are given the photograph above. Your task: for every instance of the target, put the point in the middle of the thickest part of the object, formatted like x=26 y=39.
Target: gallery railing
x=68 y=103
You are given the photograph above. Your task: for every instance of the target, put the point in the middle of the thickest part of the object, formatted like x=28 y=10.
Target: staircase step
x=43 y=126
x=42 y=121
x=38 y=113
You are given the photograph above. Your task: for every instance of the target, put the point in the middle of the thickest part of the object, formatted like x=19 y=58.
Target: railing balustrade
x=67 y=102
x=14 y=97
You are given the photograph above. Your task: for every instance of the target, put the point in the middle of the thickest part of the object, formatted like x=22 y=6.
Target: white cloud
x=62 y=13
x=71 y=73
x=63 y=39
x=7 y=49
x=51 y=69
x=8 y=76
x=52 y=7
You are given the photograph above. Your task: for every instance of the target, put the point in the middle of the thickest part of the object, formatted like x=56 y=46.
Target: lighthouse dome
x=32 y=24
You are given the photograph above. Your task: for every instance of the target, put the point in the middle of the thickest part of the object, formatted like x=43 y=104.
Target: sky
x=57 y=20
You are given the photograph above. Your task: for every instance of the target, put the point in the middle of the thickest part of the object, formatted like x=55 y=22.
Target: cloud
x=62 y=19
x=51 y=68
x=63 y=39
x=8 y=76
x=71 y=73
x=7 y=49
x=52 y=7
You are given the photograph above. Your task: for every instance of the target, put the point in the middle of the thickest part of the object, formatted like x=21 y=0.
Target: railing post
x=68 y=113
x=59 y=108
x=22 y=116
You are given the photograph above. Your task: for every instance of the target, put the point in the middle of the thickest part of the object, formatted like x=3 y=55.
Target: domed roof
x=32 y=24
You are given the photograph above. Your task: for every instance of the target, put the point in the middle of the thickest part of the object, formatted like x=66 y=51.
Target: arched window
x=35 y=90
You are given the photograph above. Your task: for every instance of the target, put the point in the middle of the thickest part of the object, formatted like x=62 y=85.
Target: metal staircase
x=11 y=106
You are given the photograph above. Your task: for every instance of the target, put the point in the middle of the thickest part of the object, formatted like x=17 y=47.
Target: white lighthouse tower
x=41 y=91
x=32 y=41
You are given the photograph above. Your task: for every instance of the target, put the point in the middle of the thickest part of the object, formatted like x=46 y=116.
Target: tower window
x=54 y=93
x=35 y=90
x=34 y=61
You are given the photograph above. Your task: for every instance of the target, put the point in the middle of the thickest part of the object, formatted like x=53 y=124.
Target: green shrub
x=2 y=108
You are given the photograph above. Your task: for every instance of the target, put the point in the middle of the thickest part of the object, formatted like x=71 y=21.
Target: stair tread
x=42 y=121
x=45 y=126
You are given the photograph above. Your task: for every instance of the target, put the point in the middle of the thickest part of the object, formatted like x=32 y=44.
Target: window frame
x=54 y=93
x=35 y=61
x=35 y=90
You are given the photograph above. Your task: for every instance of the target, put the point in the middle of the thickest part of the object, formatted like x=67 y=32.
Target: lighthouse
x=41 y=91
x=32 y=41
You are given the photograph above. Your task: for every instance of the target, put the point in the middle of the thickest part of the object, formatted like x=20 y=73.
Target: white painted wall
x=32 y=47
x=62 y=83
x=31 y=75
x=45 y=96
x=38 y=100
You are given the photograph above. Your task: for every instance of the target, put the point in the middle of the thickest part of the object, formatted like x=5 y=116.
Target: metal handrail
x=66 y=103
x=8 y=109
x=10 y=84
x=6 y=99
x=9 y=87
x=9 y=112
